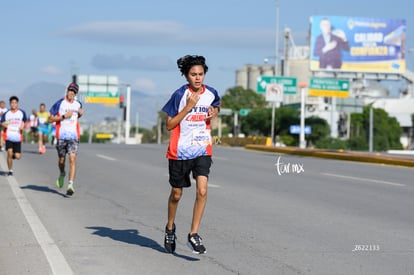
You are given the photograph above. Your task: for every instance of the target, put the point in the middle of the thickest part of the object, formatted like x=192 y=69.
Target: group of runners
x=189 y=110
x=41 y=128
x=64 y=114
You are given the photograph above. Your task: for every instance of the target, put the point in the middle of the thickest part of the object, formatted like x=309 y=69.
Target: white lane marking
x=364 y=179
x=105 y=157
x=54 y=256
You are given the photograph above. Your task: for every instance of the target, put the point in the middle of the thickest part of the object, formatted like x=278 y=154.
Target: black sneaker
x=169 y=240
x=194 y=242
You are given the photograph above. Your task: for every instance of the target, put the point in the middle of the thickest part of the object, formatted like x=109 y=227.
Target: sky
x=140 y=41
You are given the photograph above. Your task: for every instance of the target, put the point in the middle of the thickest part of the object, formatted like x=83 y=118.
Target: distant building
x=247 y=76
x=295 y=64
x=362 y=85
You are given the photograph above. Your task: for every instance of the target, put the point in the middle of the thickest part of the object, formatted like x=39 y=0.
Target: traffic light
x=121 y=101
x=75 y=79
x=342 y=125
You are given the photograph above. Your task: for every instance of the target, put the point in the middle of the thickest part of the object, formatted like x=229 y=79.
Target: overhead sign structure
x=99 y=89
x=329 y=87
x=350 y=105
x=355 y=44
x=268 y=84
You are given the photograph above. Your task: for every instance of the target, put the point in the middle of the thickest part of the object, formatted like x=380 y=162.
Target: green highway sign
x=244 y=112
x=329 y=87
x=225 y=112
x=350 y=105
x=99 y=89
x=289 y=84
x=102 y=94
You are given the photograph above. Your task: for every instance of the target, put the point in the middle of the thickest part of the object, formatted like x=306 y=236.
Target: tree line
x=386 y=129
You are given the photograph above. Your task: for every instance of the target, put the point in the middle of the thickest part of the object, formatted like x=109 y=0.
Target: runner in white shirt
x=66 y=113
x=189 y=113
x=13 y=122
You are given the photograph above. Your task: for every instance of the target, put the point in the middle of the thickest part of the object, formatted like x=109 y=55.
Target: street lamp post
x=277 y=40
x=272 y=124
x=302 y=142
x=128 y=113
x=274 y=104
x=371 y=128
x=136 y=124
x=272 y=128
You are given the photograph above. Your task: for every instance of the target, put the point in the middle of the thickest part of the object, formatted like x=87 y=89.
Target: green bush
x=331 y=143
x=358 y=143
x=288 y=140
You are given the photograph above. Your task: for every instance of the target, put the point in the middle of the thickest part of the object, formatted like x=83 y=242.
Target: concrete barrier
x=338 y=154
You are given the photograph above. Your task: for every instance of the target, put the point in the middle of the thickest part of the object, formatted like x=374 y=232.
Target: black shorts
x=16 y=146
x=179 y=170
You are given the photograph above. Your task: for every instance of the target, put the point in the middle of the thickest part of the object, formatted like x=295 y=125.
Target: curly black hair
x=13 y=98
x=186 y=62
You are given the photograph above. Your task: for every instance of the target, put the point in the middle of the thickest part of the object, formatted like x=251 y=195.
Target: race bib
x=201 y=137
x=13 y=127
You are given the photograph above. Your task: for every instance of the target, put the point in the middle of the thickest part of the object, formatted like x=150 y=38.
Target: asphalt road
x=266 y=214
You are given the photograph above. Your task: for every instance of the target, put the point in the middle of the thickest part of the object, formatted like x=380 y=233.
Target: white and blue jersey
x=15 y=124
x=67 y=129
x=191 y=138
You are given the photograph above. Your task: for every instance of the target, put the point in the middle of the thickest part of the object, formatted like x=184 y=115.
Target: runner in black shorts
x=179 y=170
x=13 y=123
x=189 y=113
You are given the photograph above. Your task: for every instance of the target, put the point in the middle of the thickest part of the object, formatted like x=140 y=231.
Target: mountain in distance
x=144 y=106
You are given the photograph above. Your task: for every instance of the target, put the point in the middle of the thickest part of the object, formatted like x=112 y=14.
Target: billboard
x=353 y=44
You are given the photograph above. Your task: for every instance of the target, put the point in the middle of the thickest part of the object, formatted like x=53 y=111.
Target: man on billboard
x=329 y=45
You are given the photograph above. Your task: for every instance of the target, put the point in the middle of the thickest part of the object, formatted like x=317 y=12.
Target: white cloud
x=51 y=70
x=119 y=61
x=144 y=84
x=169 y=33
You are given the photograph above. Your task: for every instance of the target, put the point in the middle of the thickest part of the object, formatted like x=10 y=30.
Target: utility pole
x=302 y=142
x=128 y=111
x=371 y=128
x=277 y=40
x=272 y=127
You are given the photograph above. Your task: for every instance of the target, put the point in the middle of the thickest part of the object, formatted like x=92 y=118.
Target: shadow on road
x=43 y=189
x=33 y=152
x=4 y=173
x=132 y=236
